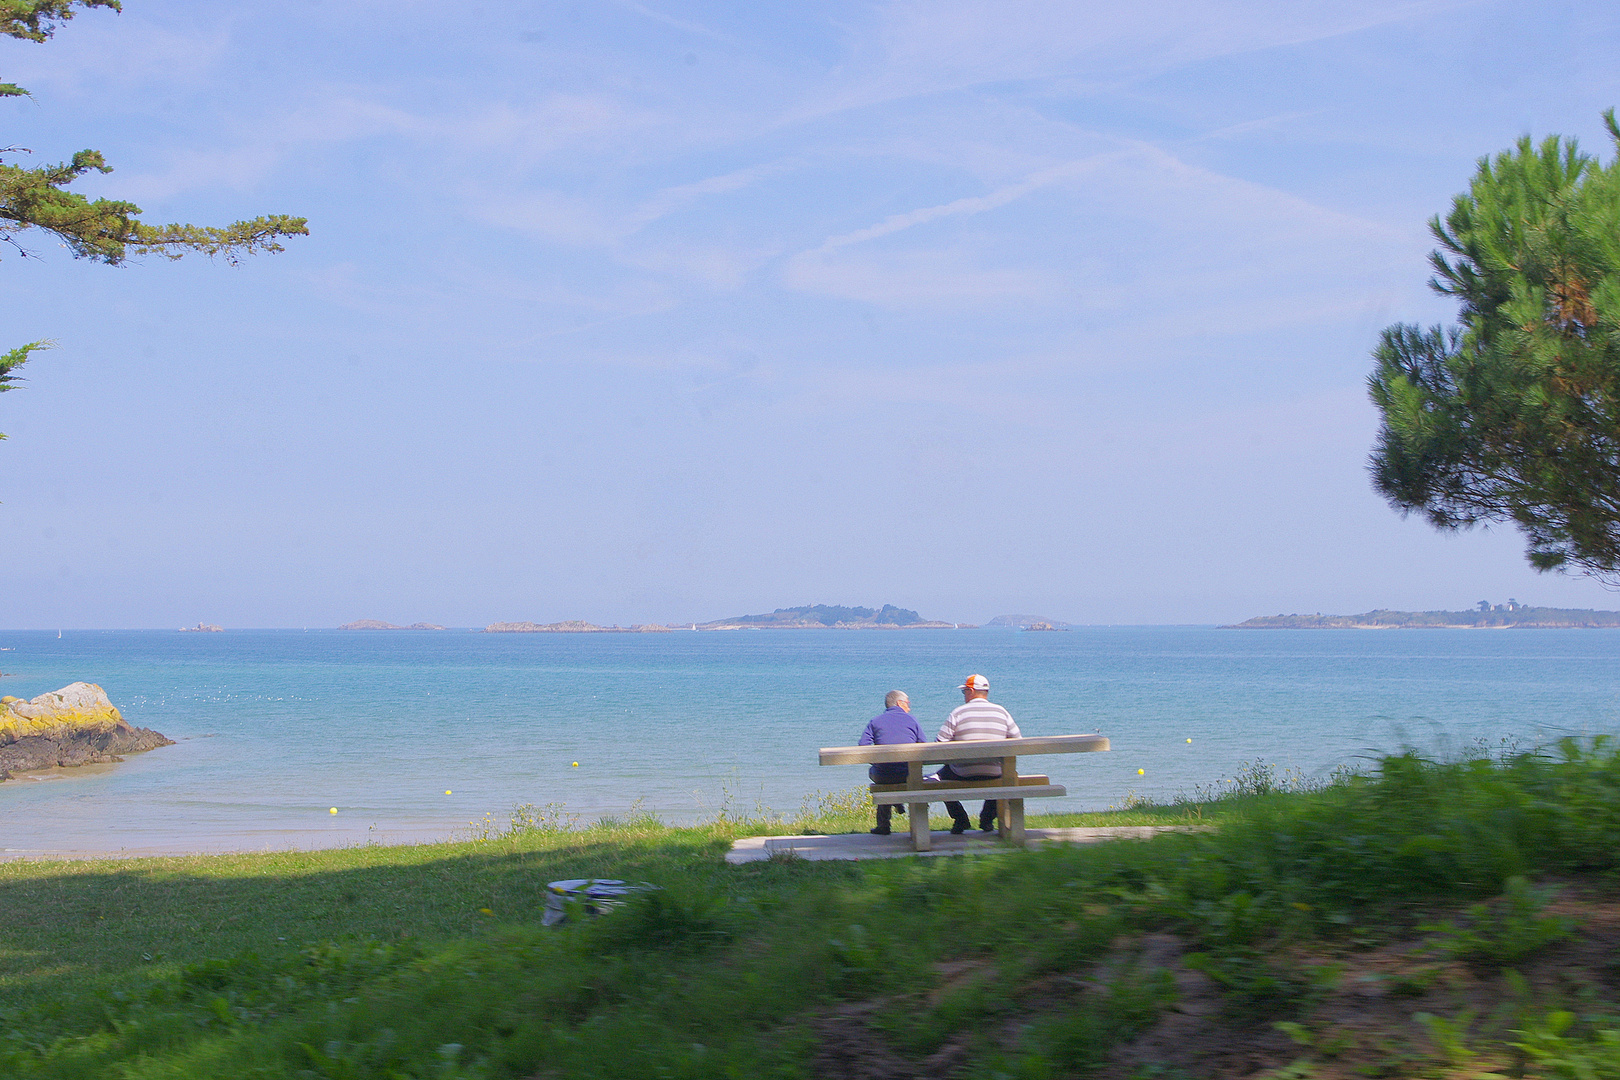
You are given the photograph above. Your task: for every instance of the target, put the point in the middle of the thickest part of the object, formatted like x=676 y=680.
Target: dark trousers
x=987 y=813
x=880 y=775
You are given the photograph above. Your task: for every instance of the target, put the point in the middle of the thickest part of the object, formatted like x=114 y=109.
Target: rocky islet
x=76 y=725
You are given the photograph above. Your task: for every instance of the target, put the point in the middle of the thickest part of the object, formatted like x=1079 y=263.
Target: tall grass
x=392 y=968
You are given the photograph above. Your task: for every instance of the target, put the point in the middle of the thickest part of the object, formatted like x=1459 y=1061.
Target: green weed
x=856 y=960
x=1258 y=985
x=1449 y=1036
x=552 y=817
x=1507 y=932
x=1415 y=983
x=1328 y=1046
x=1551 y=1044
x=1078 y=1039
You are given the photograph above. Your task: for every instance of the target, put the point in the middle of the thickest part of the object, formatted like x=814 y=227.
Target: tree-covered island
x=829 y=616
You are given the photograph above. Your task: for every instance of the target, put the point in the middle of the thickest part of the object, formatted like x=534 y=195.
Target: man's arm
x=916 y=732
x=867 y=737
x=947 y=730
x=1012 y=727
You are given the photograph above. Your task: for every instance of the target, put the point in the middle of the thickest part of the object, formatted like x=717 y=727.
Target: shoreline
x=256 y=842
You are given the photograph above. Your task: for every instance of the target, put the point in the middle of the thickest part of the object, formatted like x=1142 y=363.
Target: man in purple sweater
x=893 y=725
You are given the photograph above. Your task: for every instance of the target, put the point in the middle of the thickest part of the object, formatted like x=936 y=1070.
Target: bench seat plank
x=959 y=792
x=949 y=785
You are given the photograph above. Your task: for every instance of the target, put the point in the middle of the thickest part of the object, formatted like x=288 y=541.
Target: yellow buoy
x=576 y=764
x=1141 y=772
x=1189 y=740
x=332 y=811
x=447 y=791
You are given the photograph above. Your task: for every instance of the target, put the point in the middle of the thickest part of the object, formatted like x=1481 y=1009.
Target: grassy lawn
x=1478 y=892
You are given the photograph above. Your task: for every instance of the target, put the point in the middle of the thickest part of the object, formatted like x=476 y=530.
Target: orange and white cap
x=975 y=682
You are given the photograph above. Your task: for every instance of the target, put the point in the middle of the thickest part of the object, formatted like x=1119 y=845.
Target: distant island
x=202 y=628
x=378 y=624
x=572 y=626
x=809 y=617
x=1029 y=622
x=831 y=617
x=1486 y=616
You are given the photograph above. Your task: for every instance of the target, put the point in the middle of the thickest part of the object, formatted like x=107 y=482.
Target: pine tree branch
x=37 y=20
x=108 y=230
x=16 y=358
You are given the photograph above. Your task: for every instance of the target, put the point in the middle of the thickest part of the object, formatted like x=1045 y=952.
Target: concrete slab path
x=898 y=844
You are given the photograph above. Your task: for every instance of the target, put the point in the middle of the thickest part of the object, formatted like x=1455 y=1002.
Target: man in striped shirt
x=974 y=720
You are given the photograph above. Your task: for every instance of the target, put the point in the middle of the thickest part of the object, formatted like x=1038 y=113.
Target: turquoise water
x=276 y=727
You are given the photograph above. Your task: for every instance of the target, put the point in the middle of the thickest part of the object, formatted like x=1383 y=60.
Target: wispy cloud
x=671 y=199
x=512 y=137
x=975 y=204
x=1228 y=232
x=684 y=25
x=926 y=278
x=100 y=53
x=1264 y=123
x=920 y=47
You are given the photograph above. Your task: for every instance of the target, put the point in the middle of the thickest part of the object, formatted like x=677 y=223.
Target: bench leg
x=1003 y=824
x=1016 y=825
x=921 y=838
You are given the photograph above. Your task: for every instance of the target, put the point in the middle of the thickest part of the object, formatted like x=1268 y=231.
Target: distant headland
x=378 y=624
x=1485 y=616
x=809 y=617
x=831 y=617
x=572 y=626
x=203 y=628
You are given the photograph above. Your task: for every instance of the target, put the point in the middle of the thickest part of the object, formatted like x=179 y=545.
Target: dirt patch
x=1365 y=1022
x=849 y=1046
x=1362 y=1021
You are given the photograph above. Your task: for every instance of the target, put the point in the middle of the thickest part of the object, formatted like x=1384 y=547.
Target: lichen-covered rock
x=76 y=725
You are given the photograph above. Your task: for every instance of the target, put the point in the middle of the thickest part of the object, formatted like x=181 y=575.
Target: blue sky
x=666 y=311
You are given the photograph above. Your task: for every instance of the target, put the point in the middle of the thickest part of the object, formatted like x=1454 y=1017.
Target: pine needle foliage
x=14 y=359
x=1513 y=415
x=106 y=230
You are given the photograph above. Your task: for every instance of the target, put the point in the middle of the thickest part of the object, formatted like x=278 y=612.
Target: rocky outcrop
x=378 y=624
x=203 y=628
x=76 y=725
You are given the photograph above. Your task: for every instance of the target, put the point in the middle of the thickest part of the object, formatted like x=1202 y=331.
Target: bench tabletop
x=978 y=750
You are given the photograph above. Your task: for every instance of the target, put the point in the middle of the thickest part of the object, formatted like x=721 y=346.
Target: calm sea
x=412 y=735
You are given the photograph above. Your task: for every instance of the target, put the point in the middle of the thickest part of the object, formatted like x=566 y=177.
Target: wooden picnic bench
x=1009 y=790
